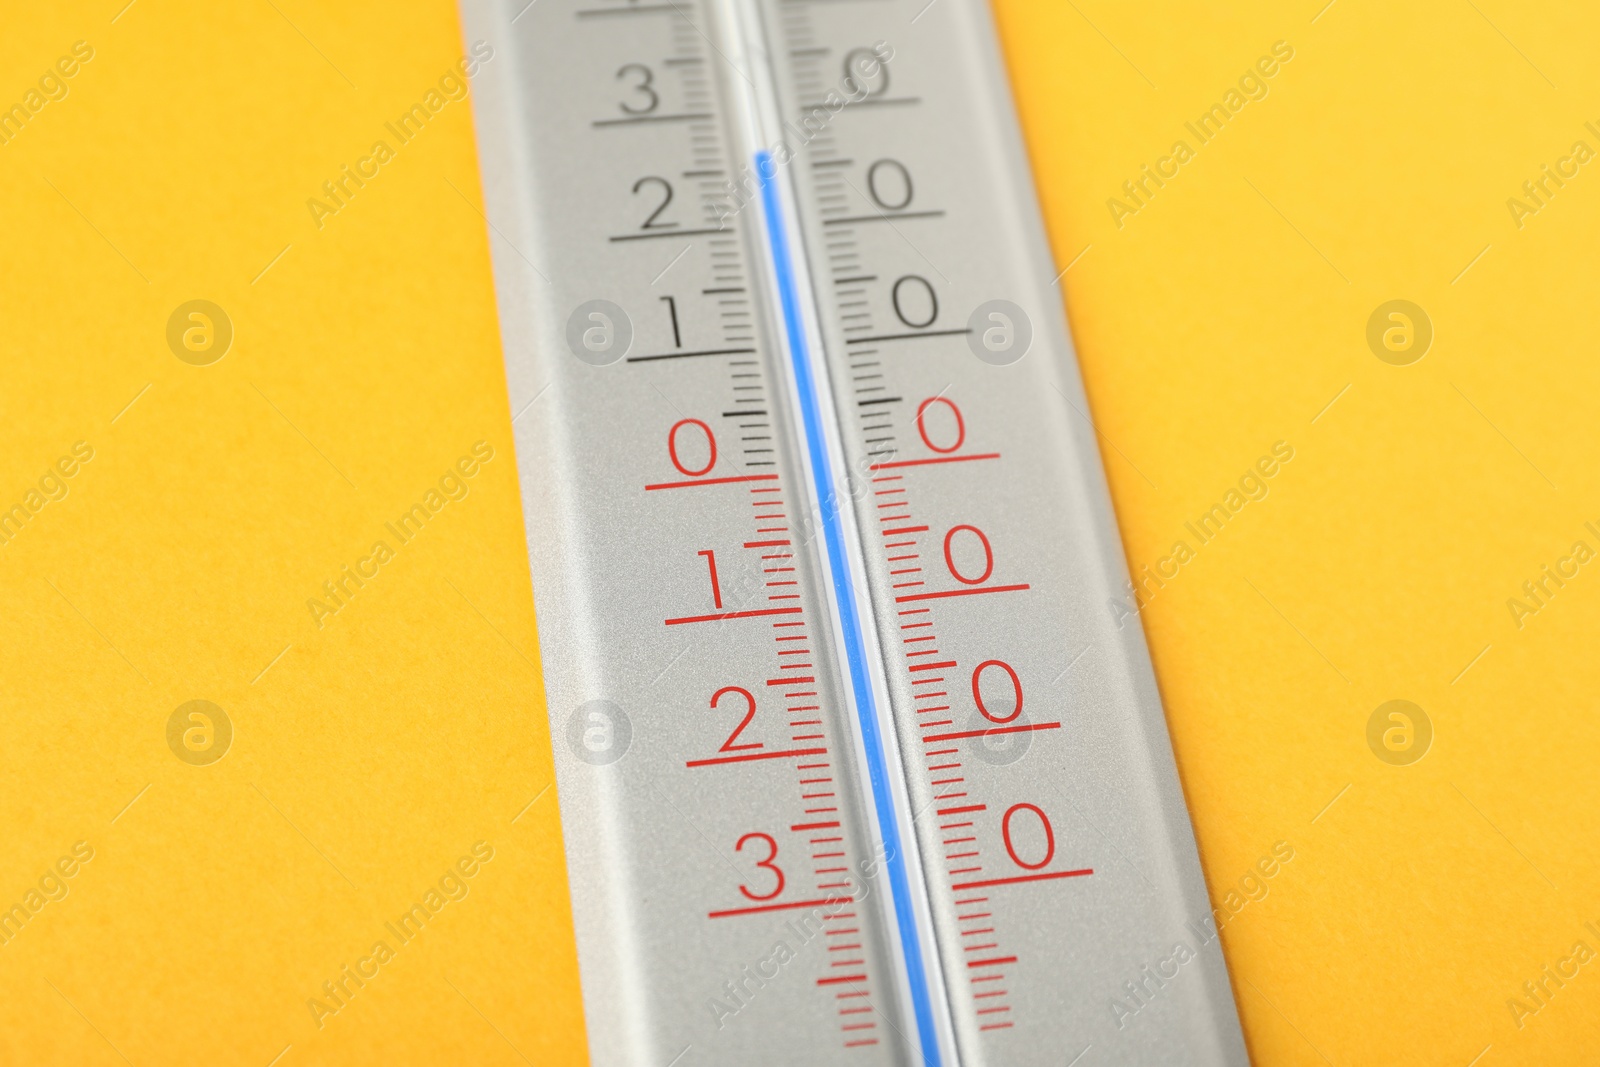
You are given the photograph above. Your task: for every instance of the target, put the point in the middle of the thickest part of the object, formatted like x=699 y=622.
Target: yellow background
x=366 y=361
x=1226 y=315
x=372 y=752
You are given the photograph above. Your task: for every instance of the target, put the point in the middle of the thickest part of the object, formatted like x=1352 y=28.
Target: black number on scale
x=894 y=178
x=643 y=86
x=666 y=186
x=865 y=74
x=672 y=309
x=914 y=282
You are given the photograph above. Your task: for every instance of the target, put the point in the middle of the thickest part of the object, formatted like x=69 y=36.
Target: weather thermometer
x=854 y=763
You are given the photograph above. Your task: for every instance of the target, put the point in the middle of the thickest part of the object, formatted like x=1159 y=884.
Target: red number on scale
x=1049 y=837
x=749 y=713
x=672 y=447
x=977 y=693
x=922 y=426
x=772 y=854
x=950 y=560
x=716 y=587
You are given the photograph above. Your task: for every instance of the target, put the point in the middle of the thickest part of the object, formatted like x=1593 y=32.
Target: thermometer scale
x=855 y=764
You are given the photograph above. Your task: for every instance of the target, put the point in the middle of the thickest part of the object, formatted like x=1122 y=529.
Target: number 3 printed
x=772 y=854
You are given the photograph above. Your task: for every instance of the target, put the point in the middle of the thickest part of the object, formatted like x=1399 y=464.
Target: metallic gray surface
x=650 y=841
x=1105 y=778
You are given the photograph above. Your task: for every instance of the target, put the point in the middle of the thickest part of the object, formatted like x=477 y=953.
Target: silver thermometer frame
x=973 y=755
